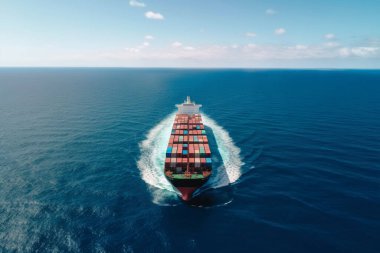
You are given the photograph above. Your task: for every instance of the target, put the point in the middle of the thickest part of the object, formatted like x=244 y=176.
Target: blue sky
x=179 y=33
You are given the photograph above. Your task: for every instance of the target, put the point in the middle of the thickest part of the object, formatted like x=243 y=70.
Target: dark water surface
x=69 y=148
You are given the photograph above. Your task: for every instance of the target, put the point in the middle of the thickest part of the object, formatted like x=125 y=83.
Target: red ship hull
x=187 y=187
x=187 y=192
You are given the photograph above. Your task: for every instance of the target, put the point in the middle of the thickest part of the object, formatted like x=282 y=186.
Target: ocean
x=81 y=161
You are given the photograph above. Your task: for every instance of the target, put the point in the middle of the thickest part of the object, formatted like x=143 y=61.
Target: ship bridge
x=188 y=107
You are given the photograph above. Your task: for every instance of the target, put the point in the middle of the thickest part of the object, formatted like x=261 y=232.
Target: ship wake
x=152 y=159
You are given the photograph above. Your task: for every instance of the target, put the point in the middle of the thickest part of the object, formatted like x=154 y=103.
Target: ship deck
x=191 y=176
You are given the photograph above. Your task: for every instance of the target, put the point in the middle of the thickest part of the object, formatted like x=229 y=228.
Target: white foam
x=229 y=152
x=153 y=148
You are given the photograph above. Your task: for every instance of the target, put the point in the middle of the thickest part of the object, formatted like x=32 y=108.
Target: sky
x=192 y=33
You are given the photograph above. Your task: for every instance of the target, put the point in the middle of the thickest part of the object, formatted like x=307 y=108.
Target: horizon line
x=199 y=68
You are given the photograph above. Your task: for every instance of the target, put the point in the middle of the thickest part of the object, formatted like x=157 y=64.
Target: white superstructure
x=188 y=107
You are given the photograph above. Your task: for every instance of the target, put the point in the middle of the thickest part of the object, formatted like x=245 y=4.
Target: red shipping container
x=184 y=160
x=203 y=160
x=179 y=160
x=191 y=160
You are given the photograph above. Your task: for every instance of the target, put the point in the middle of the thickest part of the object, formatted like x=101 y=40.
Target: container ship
x=188 y=161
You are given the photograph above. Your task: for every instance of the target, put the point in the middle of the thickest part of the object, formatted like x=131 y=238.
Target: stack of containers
x=188 y=147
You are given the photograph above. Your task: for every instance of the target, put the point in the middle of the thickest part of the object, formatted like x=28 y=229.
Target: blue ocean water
x=80 y=156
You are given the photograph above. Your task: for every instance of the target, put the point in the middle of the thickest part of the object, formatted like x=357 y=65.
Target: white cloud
x=250 y=34
x=248 y=55
x=344 y=52
x=138 y=48
x=331 y=44
x=149 y=37
x=176 y=44
x=358 y=51
x=154 y=15
x=329 y=36
x=280 y=31
x=132 y=49
x=301 y=47
x=234 y=46
x=364 y=51
x=135 y=3
x=270 y=12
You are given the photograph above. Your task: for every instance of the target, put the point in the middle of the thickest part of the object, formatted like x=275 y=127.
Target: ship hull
x=187 y=186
